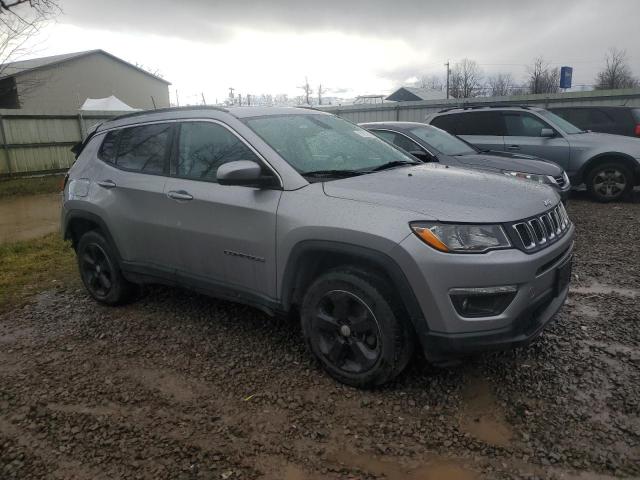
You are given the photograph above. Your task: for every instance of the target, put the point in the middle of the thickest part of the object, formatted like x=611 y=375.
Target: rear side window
x=144 y=148
x=479 y=123
x=445 y=122
x=399 y=141
x=203 y=147
x=636 y=114
x=109 y=148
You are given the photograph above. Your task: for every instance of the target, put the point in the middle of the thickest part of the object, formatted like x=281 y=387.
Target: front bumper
x=525 y=328
x=444 y=334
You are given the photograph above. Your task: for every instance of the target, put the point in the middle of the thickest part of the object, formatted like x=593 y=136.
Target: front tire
x=609 y=182
x=100 y=272
x=354 y=326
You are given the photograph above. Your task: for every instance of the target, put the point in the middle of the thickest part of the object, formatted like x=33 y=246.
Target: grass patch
x=11 y=187
x=31 y=266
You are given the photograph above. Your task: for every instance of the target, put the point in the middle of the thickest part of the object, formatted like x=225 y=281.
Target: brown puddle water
x=23 y=218
x=434 y=469
x=481 y=414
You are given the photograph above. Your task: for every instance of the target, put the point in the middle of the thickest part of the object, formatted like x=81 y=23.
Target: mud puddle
x=435 y=468
x=482 y=416
x=24 y=218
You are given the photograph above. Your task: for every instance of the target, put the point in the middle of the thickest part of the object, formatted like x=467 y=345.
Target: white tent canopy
x=109 y=104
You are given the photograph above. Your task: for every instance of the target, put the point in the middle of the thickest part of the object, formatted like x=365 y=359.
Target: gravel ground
x=181 y=386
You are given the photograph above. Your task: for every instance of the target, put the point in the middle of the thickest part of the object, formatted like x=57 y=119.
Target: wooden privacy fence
x=37 y=143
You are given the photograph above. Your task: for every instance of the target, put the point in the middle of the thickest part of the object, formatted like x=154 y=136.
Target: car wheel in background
x=609 y=181
x=99 y=270
x=355 y=327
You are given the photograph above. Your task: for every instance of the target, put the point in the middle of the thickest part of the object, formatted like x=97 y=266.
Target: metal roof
x=422 y=93
x=23 y=66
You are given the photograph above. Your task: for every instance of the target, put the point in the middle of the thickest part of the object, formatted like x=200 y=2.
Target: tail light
x=637 y=130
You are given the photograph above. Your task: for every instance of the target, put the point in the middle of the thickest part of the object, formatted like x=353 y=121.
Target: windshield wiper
x=395 y=163
x=333 y=173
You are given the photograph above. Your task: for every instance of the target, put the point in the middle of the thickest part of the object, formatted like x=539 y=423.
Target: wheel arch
x=78 y=222
x=600 y=158
x=310 y=258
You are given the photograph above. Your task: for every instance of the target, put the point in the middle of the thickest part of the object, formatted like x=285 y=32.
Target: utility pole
x=320 y=92
x=231 y=89
x=240 y=99
x=177 y=98
x=448 y=74
x=204 y=102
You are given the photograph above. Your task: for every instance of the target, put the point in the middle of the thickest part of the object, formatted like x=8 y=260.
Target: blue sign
x=565 y=77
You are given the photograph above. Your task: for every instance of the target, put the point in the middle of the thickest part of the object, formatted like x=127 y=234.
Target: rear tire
x=355 y=327
x=100 y=272
x=609 y=181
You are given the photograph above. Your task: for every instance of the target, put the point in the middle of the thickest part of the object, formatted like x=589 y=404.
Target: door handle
x=513 y=147
x=107 y=184
x=180 y=195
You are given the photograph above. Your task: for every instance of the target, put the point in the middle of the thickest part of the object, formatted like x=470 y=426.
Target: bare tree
x=465 y=80
x=500 y=85
x=306 y=88
x=616 y=72
x=431 y=82
x=281 y=99
x=19 y=24
x=43 y=7
x=543 y=78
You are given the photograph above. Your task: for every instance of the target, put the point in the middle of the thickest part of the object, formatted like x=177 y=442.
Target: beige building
x=61 y=84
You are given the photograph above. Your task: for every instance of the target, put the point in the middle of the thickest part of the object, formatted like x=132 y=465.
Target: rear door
x=523 y=134
x=222 y=235
x=129 y=187
x=483 y=129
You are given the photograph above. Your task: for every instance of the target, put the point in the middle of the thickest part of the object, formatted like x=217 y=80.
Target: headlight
x=546 y=179
x=452 y=238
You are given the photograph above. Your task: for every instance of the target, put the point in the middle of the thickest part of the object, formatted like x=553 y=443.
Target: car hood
x=606 y=142
x=512 y=162
x=440 y=192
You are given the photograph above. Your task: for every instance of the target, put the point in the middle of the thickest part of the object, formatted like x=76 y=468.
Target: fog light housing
x=482 y=302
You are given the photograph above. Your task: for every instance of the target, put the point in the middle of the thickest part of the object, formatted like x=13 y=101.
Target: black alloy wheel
x=348 y=332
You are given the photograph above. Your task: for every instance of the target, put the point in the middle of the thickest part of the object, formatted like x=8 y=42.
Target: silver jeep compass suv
x=295 y=210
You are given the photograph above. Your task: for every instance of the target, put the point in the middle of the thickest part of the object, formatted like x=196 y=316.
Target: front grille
x=535 y=233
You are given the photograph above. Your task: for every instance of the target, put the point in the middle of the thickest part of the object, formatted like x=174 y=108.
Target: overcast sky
x=351 y=47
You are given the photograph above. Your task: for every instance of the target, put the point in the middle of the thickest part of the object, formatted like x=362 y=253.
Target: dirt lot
x=180 y=386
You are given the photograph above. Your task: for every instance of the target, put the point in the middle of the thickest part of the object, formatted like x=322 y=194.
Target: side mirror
x=547 y=133
x=244 y=173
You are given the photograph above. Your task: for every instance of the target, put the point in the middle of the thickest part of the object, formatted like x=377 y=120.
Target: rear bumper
x=440 y=347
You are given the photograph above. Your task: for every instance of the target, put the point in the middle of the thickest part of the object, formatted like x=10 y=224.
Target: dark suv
x=615 y=120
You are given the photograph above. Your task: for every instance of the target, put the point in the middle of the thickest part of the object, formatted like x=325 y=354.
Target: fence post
x=5 y=146
x=397 y=113
x=81 y=126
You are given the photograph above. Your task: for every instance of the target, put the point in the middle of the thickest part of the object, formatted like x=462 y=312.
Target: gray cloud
x=575 y=32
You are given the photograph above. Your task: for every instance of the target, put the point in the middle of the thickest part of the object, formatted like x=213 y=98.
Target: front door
x=221 y=235
x=523 y=135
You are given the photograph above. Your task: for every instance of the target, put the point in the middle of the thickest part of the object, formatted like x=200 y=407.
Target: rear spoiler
x=79 y=147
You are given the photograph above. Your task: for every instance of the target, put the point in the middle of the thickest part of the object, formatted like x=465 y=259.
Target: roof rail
x=469 y=106
x=169 y=109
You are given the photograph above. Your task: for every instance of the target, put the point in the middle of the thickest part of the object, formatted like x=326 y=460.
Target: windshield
x=560 y=122
x=324 y=143
x=442 y=141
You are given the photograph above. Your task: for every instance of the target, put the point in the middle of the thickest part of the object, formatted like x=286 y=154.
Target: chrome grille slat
x=537 y=232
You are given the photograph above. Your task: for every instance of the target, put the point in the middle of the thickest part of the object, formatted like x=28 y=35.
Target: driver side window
x=523 y=125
